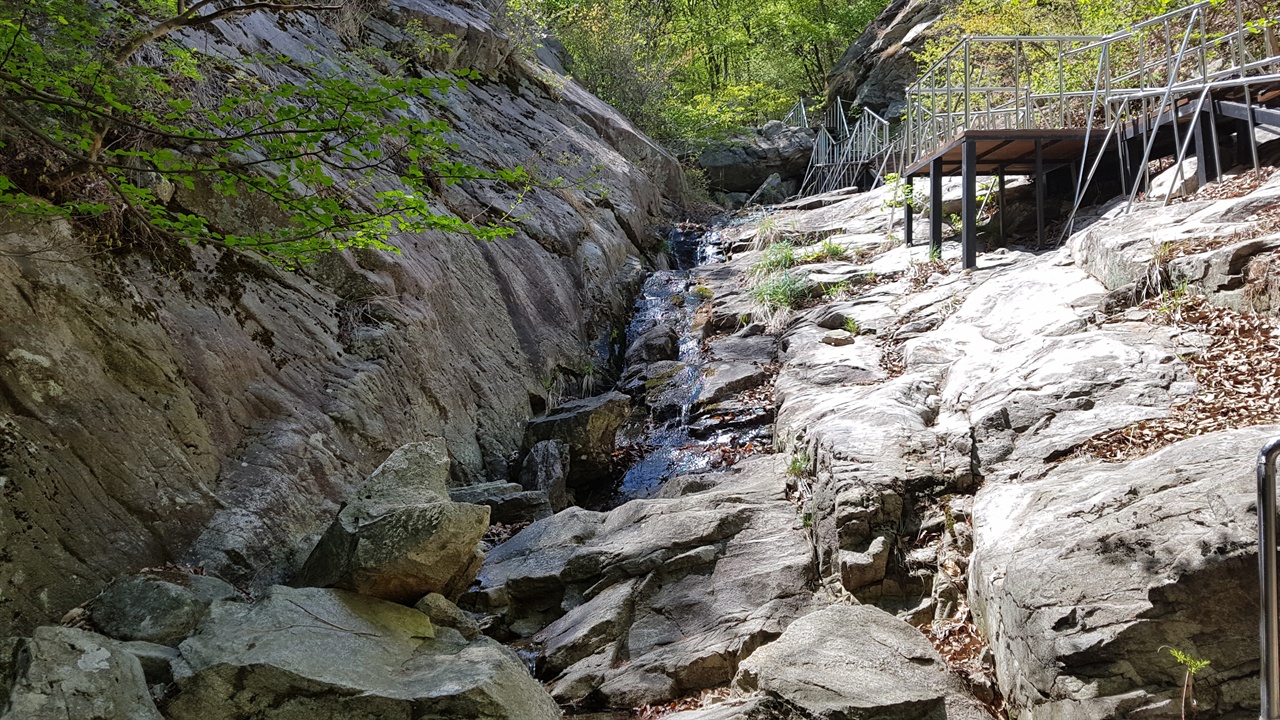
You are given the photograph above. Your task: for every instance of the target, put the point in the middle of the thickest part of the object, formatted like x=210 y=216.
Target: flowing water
x=670 y=440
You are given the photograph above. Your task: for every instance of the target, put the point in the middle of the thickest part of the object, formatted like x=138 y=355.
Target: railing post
x=1268 y=626
x=969 y=207
x=935 y=207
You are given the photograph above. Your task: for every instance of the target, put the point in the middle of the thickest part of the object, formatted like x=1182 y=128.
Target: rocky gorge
x=783 y=467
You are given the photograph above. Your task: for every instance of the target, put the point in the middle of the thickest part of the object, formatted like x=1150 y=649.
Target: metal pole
x=1269 y=625
x=908 y=190
x=1040 y=192
x=1000 y=179
x=969 y=236
x=966 y=82
x=935 y=207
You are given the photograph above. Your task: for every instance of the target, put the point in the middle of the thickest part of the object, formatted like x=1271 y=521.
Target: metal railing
x=1011 y=82
x=1269 y=624
x=836 y=162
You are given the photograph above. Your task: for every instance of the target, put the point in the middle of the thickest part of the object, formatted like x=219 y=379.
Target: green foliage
x=780 y=290
x=851 y=326
x=103 y=118
x=798 y=466
x=777 y=256
x=1185 y=659
x=702 y=292
x=901 y=192
x=704 y=68
x=827 y=250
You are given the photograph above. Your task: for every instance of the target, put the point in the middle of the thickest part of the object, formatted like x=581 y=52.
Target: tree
x=104 y=112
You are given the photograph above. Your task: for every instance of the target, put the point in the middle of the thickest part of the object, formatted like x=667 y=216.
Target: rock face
x=546 y=468
x=877 y=68
x=159 y=607
x=858 y=662
x=658 y=598
x=589 y=427
x=742 y=164
x=401 y=537
x=334 y=655
x=1084 y=578
x=67 y=673
x=220 y=412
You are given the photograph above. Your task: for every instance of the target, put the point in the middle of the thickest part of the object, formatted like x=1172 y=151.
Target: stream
x=668 y=434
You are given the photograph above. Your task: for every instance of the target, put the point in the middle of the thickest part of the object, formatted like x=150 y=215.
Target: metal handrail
x=1269 y=623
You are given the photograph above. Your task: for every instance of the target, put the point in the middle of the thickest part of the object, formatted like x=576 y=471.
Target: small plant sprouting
x=851 y=326
x=935 y=253
x=779 y=291
x=1191 y=665
x=777 y=256
x=799 y=464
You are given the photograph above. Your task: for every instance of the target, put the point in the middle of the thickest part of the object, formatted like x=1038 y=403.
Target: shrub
x=780 y=290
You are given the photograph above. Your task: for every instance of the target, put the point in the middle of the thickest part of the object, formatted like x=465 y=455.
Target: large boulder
x=546 y=468
x=508 y=503
x=65 y=673
x=156 y=606
x=321 y=654
x=401 y=537
x=858 y=662
x=1082 y=581
x=658 y=598
x=741 y=164
x=589 y=427
x=876 y=69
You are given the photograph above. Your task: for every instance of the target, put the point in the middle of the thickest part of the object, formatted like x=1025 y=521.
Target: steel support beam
x=969 y=205
x=1240 y=111
x=1040 y=191
x=1206 y=153
x=935 y=207
x=1269 y=624
x=908 y=219
x=1000 y=209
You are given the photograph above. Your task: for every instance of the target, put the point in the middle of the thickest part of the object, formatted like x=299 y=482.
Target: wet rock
x=546 y=468
x=401 y=537
x=589 y=427
x=722 y=380
x=854 y=662
x=655 y=344
x=507 y=502
x=333 y=655
x=156 y=606
x=444 y=613
x=1082 y=580
x=67 y=673
x=742 y=164
x=660 y=597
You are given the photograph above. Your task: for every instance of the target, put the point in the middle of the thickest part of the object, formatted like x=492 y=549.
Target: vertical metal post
x=1269 y=625
x=935 y=207
x=967 y=71
x=908 y=192
x=1000 y=179
x=969 y=208
x=1204 y=150
x=1040 y=192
